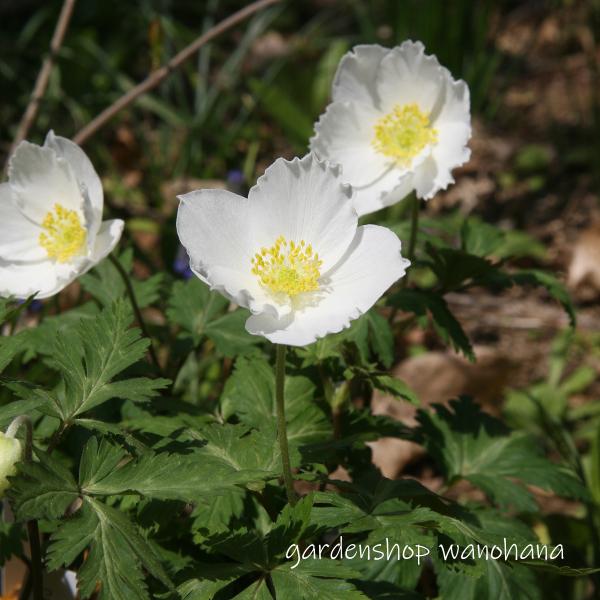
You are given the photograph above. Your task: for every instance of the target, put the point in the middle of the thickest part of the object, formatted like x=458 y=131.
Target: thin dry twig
x=44 y=75
x=159 y=74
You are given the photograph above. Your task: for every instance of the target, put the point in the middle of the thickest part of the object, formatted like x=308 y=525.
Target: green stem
x=36 y=569
x=414 y=232
x=412 y=244
x=136 y=309
x=281 y=425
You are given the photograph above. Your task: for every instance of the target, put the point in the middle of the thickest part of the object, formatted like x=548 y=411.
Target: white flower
x=398 y=122
x=291 y=252
x=51 y=228
x=10 y=454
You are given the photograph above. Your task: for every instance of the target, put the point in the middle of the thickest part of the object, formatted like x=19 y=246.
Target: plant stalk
x=414 y=232
x=412 y=244
x=136 y=309
x=281 y=424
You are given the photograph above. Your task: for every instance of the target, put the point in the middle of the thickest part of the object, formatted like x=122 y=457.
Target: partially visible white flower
x=51 y=228
x=11 y=453
x=397 y=122
x=291 y=252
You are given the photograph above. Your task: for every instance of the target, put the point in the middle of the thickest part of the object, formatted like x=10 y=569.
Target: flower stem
x=136 y=309
x=281 y=425
x=412 y=244
x=33 y=531
x=414 y=232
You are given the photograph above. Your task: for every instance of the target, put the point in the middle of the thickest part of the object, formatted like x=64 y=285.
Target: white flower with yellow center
x=291 y=252
x=51 y=228
x=398 y=122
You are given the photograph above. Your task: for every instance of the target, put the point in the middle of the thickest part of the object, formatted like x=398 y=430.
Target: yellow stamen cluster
x=64 y=235
x=287 y=267
x=403 y=133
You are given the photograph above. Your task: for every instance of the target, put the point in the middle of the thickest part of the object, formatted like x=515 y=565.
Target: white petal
x=19 y=237
x=214 y=226
x=456 y=105
x=40 y=179
x=108 y=237
x=407 y=75
x=344 y=135
x=389 y=189
x=355 y=76
x=371 y=265
x=87 y=178
x=21 y=281
x=303 y=199
x=451 y=151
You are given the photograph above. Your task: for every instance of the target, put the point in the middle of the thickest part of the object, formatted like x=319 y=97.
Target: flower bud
x=11 y=453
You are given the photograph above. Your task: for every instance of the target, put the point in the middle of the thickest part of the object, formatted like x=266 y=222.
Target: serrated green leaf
x=421 y=302
x=106 y=285
x=479 y=238
x=250 y=394
x=469 y=444
x=91 y=354
x=315 y=580
x=229 y=333
x=192 y=306
x=499 y=581
x=230 y=458
x=393 y=386
x=118 y=553
x=43 y=489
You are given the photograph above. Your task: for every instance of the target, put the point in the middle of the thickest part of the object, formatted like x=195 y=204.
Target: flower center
x=403 y=133
x=287 y=267
x=64 y=236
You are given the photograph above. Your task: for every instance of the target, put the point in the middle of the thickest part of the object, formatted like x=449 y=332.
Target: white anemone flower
x=292 y=252
x=51 y=228
x=397 y=122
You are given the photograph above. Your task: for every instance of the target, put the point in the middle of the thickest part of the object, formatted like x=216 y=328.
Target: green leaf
x=456 y=268
x=192 y=306
x=90 y=355
x=201 y=589
x=315 y=580
x=469 y=444
x=106 y=285
x=229 y=458
x=202 y=313
x=229 y=334
x=217 y=513
x=556 y=289
x=479 y=238
x=373 y=337
x=118 y=553
x=421 y=302
x=43 y=489
x=499 y=581
x=250 y=394
x=387 y=383
x=10 y=310
x=9 y=347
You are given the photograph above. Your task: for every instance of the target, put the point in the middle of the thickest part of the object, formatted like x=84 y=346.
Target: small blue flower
x=181 y=264
x=235 y=181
